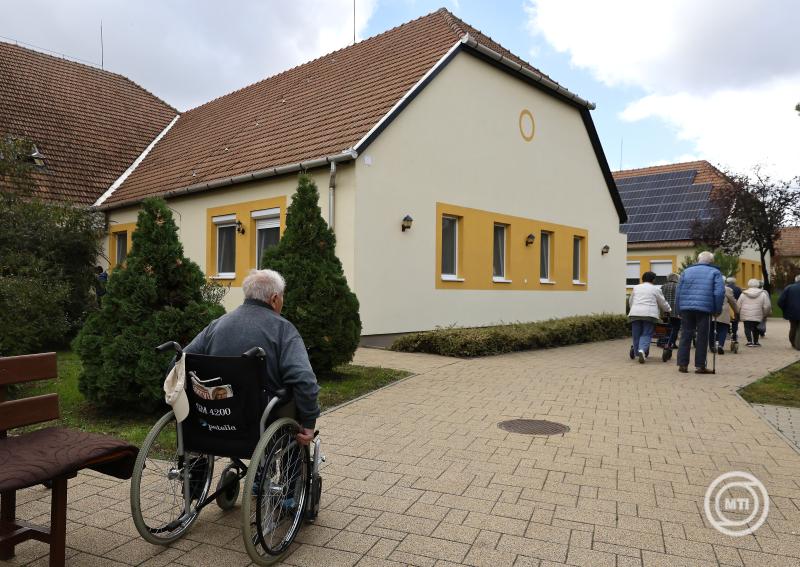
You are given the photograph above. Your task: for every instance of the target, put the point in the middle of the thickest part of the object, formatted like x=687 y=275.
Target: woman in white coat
x=646 y=303
x=754 y=307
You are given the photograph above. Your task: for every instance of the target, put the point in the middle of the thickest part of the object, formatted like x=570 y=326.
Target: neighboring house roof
x=89 y=124
x=788 y=245
x=663 y=201
x=325 y=110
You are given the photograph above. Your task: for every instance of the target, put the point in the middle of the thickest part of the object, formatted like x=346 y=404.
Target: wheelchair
x=232 y=416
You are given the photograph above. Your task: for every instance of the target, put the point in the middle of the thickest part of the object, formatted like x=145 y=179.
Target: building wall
x=193 y=216
x=478 y=141
x=749 y=260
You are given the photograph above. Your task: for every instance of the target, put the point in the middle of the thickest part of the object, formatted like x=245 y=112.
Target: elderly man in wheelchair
x=242 y=389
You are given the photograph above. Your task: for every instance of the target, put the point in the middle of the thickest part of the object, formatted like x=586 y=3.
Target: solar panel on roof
x=662 y=206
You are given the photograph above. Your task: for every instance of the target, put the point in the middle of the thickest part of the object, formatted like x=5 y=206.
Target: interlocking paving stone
x=419 y=474
x=785 y=419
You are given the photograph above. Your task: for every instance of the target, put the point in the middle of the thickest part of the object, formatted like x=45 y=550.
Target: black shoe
x=720 y=350
x=642 y=357
x=632 y=353
x=702 y=370
x=683 y=369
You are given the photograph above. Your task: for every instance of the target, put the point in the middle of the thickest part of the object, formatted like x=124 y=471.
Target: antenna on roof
x=354 y=22
x=621 y=139
x=101 y=45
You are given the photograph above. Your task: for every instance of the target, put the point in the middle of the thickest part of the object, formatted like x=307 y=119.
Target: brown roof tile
x=789 y=242
x=90 y=124
x=317 y=109
x=706 y=173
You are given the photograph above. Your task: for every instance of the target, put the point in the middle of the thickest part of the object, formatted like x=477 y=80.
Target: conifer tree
x=318 y=300
x=156 y=296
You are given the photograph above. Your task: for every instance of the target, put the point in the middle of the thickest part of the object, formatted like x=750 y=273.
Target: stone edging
x=765 y=420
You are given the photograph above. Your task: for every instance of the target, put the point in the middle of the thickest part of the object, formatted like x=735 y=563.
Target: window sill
x=224 y=277
x=500 y=280
x=578 y=282
x=546 y=281
x=446 y=278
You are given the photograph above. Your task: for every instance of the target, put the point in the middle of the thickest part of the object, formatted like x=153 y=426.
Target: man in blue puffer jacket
x=700 y=294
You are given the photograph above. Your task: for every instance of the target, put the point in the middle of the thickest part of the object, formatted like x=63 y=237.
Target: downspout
x=332 y=195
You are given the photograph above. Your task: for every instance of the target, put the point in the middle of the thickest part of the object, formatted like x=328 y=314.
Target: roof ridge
x=311 y=61
x=679 y=163
x=89 y=67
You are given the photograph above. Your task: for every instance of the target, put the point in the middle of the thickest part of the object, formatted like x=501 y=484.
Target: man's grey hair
x=797 y=278
x=731 y=280
x=263 y=284
x=673 y=277
x=705 y=257
x=753 y=283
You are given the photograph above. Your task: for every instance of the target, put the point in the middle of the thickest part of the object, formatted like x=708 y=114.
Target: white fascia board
x=411 y=92
x=121 y=179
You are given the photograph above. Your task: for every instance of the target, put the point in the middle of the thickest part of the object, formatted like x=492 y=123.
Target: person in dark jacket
x=258 y=323
x=669 y=290
x=700 y=293
x=789 y=302
x=737 y=291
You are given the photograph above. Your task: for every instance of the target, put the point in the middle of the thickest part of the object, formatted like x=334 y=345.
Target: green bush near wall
x=499 y=339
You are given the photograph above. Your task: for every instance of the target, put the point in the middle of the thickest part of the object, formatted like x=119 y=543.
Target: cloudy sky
x=673 y=81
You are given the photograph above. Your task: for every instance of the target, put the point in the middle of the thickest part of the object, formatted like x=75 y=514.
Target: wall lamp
x=606 y=249
x=406 y=224
x=239 y=227
x=530 y=240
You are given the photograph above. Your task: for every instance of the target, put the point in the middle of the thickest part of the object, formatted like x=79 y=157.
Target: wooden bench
x=51 y=455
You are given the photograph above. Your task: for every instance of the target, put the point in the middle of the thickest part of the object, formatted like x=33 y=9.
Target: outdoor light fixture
x=605 y=250
x=529 y=240
x=239 y=227
x=406 y=224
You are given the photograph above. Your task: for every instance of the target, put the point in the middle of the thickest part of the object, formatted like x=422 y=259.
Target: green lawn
x=348 y=382
x=776 y=311
x=780 y=388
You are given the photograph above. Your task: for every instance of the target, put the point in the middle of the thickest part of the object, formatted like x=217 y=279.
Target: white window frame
x=661 y=262
x=454 y=276
x=580 y=239
x=265 y=218
x=117 y=234
x=224 y=221
x=549 y=265
x=638 y=273
x=501 y=278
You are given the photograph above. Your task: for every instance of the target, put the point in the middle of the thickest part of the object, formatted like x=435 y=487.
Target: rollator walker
x=232 y=415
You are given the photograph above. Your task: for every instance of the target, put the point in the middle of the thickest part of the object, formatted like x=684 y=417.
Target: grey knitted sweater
x=255 y=324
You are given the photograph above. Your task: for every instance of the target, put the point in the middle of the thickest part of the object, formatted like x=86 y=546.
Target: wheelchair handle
x=255 y=351
x=170 y=345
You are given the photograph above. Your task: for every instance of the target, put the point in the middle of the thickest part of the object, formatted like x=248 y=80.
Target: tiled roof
x=663 y=201
x=89 y=124
x=789 y=242
x=318 y=109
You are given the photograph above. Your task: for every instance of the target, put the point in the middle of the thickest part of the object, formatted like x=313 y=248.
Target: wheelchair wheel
x=227 y=498
x=157 y=501
x=275 y=493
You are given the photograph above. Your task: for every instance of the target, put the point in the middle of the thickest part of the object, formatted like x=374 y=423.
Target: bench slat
x=28 y=411
x=27 y=368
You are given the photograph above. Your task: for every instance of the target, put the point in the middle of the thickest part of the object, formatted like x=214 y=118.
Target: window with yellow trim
x=500 y=253
x=545 y=256
x=267 y=231
x=449 y=263
x=578 y=249
x=120 y=247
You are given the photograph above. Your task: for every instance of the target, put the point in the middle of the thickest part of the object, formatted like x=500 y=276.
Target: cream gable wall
x=459 y=142
x=190 y=214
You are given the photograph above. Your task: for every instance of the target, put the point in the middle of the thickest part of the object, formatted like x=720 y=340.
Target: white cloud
x=724 y=74
x=190 y=51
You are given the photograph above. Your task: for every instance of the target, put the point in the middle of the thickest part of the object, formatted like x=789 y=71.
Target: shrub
x=318 y=300
x=156 y=296
x=33 y=314
x=485 y=341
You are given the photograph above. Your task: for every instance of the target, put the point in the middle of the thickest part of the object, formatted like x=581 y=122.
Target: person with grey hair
x=258 y=323
x=789 y=302
x=669 y=290
x=700 y=293
x=737 y=291
x=754 y=307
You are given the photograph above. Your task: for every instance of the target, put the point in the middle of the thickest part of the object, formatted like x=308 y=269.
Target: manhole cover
x=533 y=427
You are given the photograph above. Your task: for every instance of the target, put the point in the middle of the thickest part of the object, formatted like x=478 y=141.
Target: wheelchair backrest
x=227 y=395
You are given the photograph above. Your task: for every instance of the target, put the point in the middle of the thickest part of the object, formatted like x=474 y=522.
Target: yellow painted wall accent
x=113 y=230
x=245 y=243
x=645 y=259
x=475 y=252
x=748 y=269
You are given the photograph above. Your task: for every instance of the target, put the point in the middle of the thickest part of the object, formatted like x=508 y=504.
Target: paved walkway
x=785 y=419
x=419 y=473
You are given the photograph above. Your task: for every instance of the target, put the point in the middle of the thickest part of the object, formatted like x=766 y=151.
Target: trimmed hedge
x=486 y=341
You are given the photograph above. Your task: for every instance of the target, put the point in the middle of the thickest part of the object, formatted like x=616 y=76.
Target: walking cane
x=714 y=336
